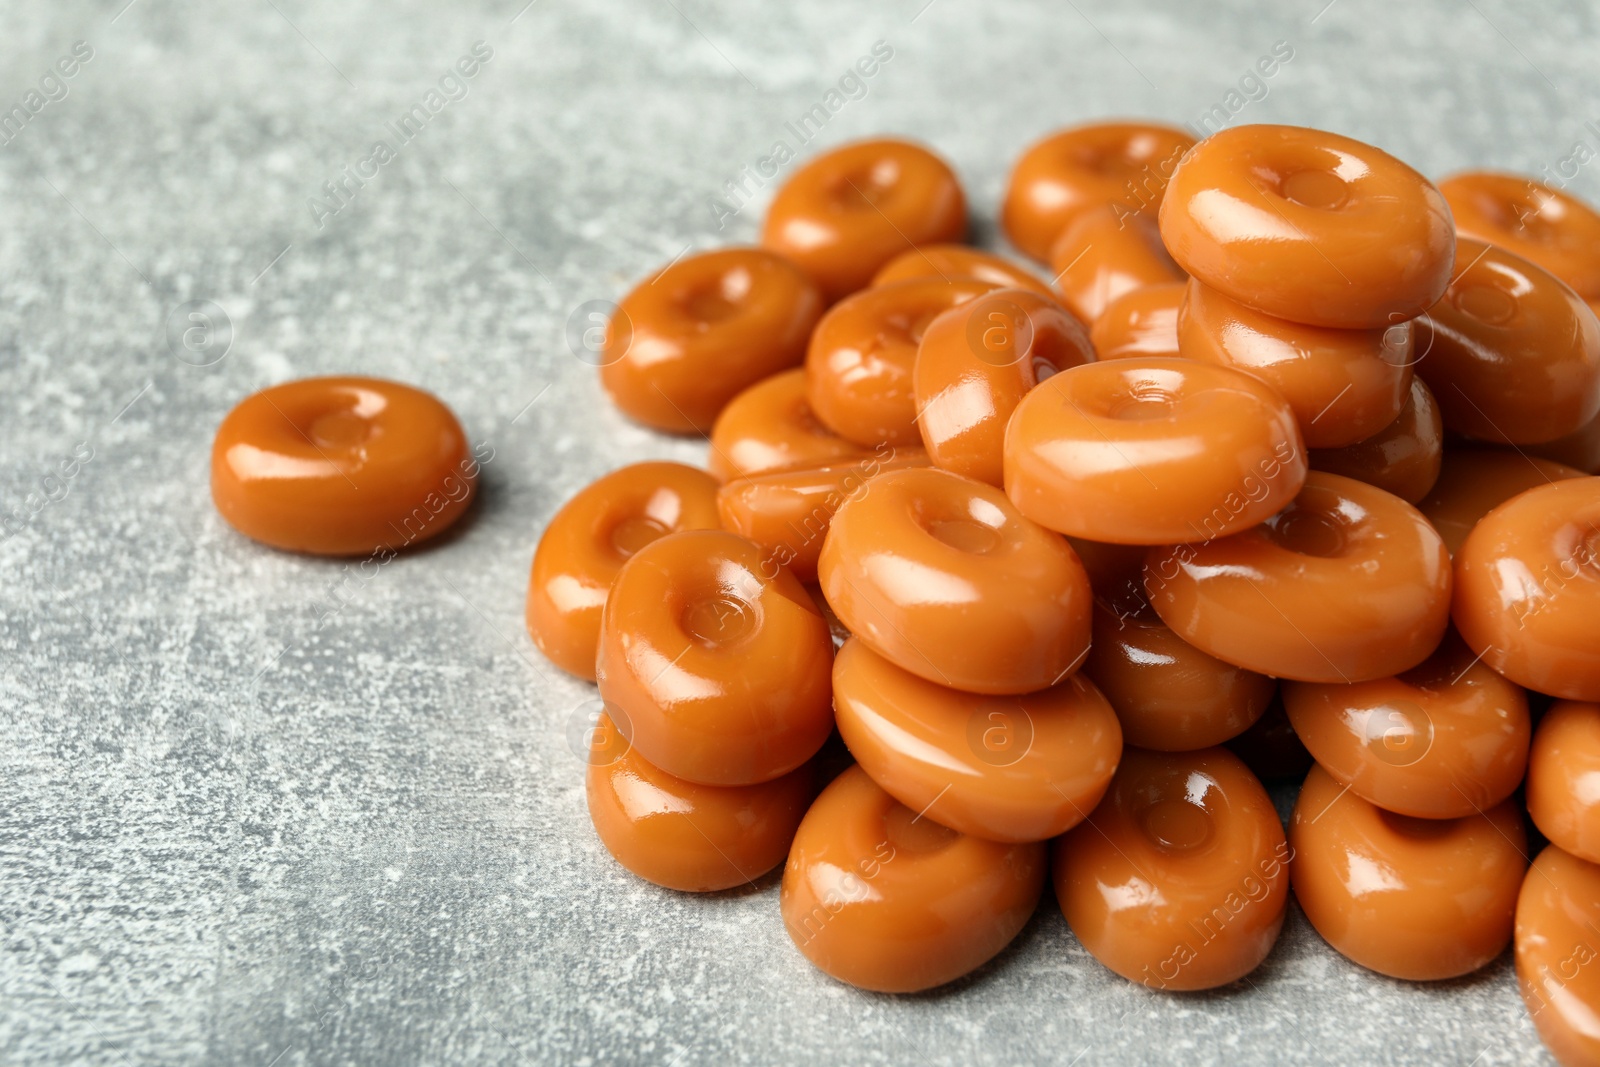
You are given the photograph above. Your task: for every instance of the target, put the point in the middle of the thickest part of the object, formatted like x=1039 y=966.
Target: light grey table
x=256 y=809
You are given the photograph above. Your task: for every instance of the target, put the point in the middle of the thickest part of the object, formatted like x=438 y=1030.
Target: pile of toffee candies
x=1295 y=449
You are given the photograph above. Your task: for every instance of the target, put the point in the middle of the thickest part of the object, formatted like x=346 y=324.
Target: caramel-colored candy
x=1511 y=353
x=1169 y=695
x=944 y=577
x=1346 y=584
x=973 y=367
x=1309 y=226
x=714 y=662
x=698 y=332
x=1179 y=879
x=1152 y=451
x=1558 y=949
x=851 y=210
x=1104 y=253
x=1403 y=458
x=878 y=897
x=1474 y=481
x=698 y=838
x=770 y=427
x=1421 y=899
x=591 y=537
x=1446 y=739
x=788 y=512
x=949 y=262
x=1579 y=449
x=1142 y=322
x=1528 y=589
x=1127 y=164
x=1019 y=768
x=342 y=467
x=859 y=365
x=1540 y=223
x=1563 y=773
x=1344 y=385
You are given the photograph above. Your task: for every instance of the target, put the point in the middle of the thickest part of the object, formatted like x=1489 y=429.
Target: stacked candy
x=1039 y=552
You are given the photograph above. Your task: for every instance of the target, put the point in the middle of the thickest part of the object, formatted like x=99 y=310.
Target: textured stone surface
x=237 y=826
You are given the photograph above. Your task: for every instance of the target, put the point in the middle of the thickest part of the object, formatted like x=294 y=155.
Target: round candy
x=1512 y=354
x=1528 y=589
x=1445 y=739
x=1403 y=458
x=975 y=364
x=1563 y=770
x=341 y=467
x=849 y=211
x=1558 y=912
x=1309 y=226
x=1179 y=879
x=1141 y=322
x=1019 y=768
x=770 y=427
x=1123 y=163
x=949 y=262
x=1344 y=385
x=1474 y=481
x=1152 y=451
x=859 y=365
x=1346 y=584
x=697 y=838
x=714 y=662
x=942 y=576
x=1420 y=899
x=1169 y=695
x=591 y=537
x=1539 y=223
x=788 y=512
x=694 y=335
x=878 y=897
x=1103 y=255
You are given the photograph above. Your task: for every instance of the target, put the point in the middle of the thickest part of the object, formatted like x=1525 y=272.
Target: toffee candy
x=1143 y=322
x=1403 y=458
x=1102 y=255
x=948 y=262
x=1421 y=899
x=881 y=899
x=1558 y=916
x=770 y=427
x=1562 y=774
x=1540 y=223
x=1474 y=481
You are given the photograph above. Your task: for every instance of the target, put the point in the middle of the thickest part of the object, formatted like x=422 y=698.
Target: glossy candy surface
x=697 y=838
x=1474 y=481
x=1558 y=949
x=701 y=330
x=1152 y=451
x=1540 y=223
x=1346 y=584
x=1179 y=879
x=973 y=367
x=1126 y=163
x=944 y=577
x=949 y=262
x=1344 y=385
x=770 y=427
x=851 y=210
x=1511 y=353
x=341 y=466
x=1309 y=226
x=1019 y=768
x=1528 y=589
x=1403 y=458
x=586 y=543
x=859 y=364
x=713 y=662
x=1104 y=253
x=1421 y=899
x=1446 y=739
x=878 y=898
x=1143 y=322
x=1564 y=778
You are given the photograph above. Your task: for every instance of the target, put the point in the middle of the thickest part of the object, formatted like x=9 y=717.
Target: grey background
x=233 y=833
